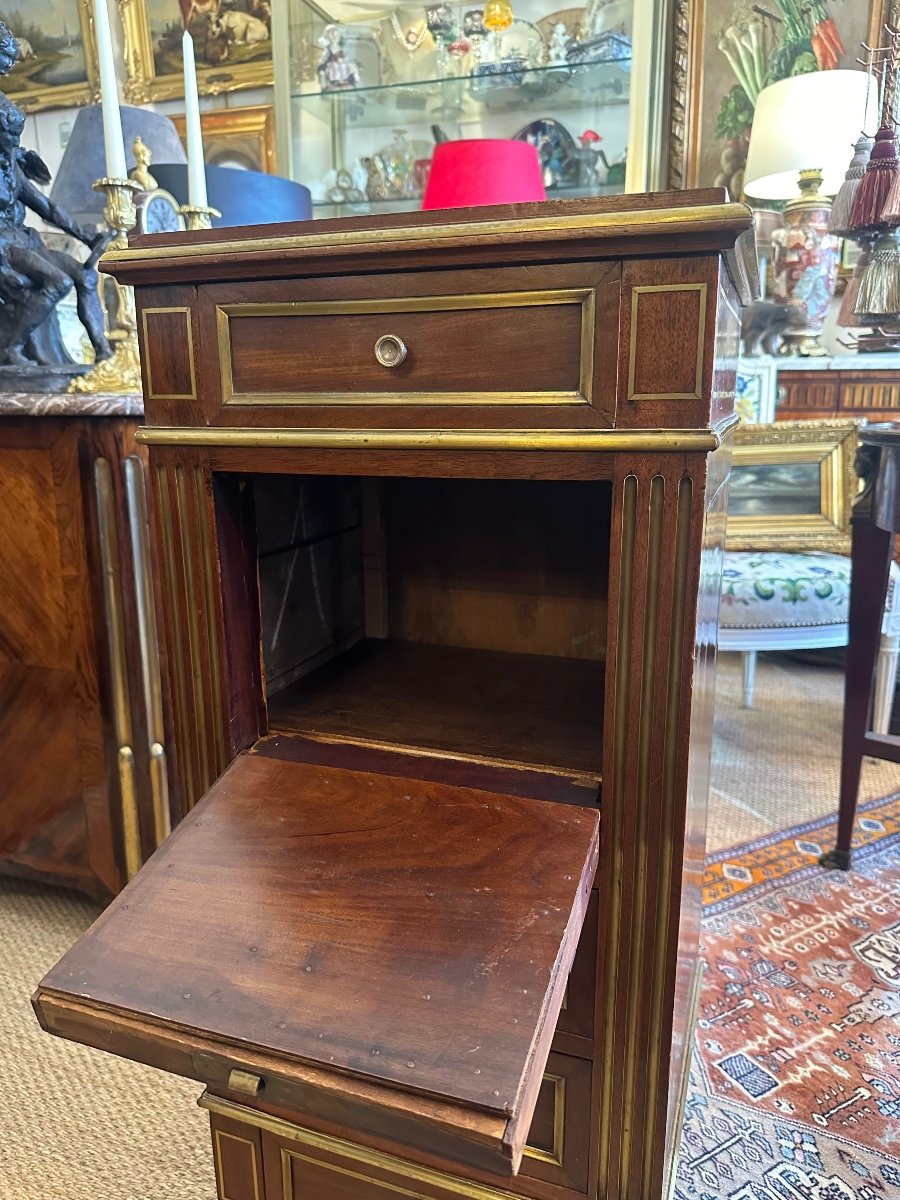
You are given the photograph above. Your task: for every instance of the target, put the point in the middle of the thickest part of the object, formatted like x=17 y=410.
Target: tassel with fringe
x=842 y=208
x=890 y=214
x=848 y=317
x=879 y=285
x=876 y=183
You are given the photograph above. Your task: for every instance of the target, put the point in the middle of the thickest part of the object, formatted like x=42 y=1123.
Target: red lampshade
x=483 y=171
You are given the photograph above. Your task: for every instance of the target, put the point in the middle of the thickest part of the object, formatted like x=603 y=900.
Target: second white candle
x=196 y=165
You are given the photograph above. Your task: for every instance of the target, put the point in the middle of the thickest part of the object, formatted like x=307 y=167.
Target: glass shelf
x=358 y=208
x=589 y=86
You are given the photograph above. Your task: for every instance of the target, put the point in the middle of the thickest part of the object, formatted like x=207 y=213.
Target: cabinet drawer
x=577 y=1013
x=301 y=1163
x=559 y=1138
x=493 y=348
x=512 y=347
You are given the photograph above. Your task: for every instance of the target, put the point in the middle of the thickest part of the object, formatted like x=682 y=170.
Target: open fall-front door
x=388 y=954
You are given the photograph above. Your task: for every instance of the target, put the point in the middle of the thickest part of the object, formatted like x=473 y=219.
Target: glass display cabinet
x=364 y=91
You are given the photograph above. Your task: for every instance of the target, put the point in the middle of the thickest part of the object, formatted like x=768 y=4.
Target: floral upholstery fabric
x=776 y=590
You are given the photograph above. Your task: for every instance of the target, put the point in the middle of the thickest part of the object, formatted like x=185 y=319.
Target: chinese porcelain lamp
x=483 y=171
x=802 y=129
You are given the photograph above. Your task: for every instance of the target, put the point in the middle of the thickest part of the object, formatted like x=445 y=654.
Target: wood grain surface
x=479 y=704
x=413 y=935
x=60 y=806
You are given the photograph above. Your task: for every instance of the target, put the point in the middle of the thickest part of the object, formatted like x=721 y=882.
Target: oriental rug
x=794 y=1090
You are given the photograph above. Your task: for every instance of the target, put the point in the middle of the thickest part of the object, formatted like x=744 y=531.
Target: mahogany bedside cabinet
x=438 y=505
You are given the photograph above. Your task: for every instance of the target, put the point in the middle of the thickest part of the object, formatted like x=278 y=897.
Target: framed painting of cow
x=232 y=46
x=57 y=64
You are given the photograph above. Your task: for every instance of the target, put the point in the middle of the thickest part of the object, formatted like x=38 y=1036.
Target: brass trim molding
x=554 y=1156
x=152 y=394
x=636 y=293
x=139 y=528
x=218 y=1134
x=729 y=217
x=413 y=1172
x=583 y=297
x=114 y=621
x=676 y=441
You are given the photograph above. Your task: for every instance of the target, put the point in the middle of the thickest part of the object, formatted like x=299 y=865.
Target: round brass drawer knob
x=390 y=350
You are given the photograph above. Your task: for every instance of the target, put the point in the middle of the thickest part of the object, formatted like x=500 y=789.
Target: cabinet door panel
x=51 y=733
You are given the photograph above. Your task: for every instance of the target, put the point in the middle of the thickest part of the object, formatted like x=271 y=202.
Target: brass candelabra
x=198 y=216
x=122 y=371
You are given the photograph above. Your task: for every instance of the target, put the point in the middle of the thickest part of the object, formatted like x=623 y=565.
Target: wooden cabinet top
x=670 y=223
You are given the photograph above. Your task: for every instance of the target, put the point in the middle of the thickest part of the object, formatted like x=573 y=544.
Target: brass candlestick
x=198 y=216
x=122 y=371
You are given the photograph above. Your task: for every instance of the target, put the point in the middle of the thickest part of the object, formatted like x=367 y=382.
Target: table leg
x=871 y=556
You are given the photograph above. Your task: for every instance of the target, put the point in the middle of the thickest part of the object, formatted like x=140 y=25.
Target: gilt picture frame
x=237 y=137
x=57 y=66
x=703 y=79
x=232 y=46
x=792 y=486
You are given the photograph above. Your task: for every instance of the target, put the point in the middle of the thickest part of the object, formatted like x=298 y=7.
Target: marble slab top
x=76 y=404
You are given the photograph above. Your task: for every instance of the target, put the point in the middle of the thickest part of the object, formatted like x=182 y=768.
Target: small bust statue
x=140 y=172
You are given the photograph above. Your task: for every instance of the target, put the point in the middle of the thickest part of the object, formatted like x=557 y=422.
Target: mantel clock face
x=157 y=212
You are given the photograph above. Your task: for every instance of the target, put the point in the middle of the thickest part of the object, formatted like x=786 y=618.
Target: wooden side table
x=876 y=518
x=439 y=502
x=83 y=794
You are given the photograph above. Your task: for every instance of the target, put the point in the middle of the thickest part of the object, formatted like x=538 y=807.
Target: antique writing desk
x=438 y=510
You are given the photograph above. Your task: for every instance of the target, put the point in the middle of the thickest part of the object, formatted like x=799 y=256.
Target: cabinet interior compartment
x=465 y=618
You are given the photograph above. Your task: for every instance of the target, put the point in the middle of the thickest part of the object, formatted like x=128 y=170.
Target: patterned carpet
x=795 y=1086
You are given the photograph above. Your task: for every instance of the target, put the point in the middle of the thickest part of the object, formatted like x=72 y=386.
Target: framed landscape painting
x=57 y=64
x=726 y=51
x=232 y=46
x=237 y=137
x=792 y=486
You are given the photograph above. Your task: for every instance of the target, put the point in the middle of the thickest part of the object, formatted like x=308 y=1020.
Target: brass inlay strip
x=220 y=1170
x=640 y=884
x=554 y=1156
x=152 y=394
x=118 y=663
x=287 y=1175
x=426 y=1176
x=195 y=654
x=186 y=763
x=636 y=293
x=667 y=801
x=583 y=778
x=209 y=595
x=633 y=223
x=583 y=297
x=616 y=810
x=149 y=645
x=675 y=441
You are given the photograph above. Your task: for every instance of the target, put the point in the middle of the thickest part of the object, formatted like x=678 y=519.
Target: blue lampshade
x=242 y=197
x=85 y=158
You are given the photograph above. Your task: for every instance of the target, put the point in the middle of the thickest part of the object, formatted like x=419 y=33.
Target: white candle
x=113 y=140
x=196 y=166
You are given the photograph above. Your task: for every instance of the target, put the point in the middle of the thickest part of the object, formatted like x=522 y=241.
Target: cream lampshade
x=807 y=122
x=803 y=132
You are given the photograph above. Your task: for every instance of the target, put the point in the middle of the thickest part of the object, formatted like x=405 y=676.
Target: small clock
x=158 y=212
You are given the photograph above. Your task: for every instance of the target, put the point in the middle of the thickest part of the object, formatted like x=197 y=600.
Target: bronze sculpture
x=33 y=277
